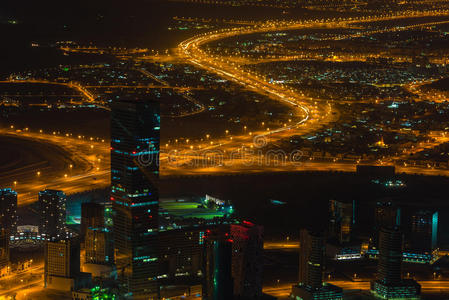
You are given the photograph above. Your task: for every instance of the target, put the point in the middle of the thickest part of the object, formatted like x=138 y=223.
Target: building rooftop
x=193 y=208
x=193 y=211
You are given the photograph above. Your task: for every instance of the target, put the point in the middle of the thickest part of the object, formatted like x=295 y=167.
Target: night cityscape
x=224 y=149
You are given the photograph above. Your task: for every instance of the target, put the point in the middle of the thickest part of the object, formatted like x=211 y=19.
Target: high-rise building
x=62 y=263
x=92 y=215
x=99 y=253
x=218 y=283
x=98 y=246
x=135 y=126
x=387 y=214
x=52 y=221
x=311 y=267
x=182 y=253
x=390 y=255
x=389 y=283
x=311 y=258
x=424 y=231
x=8 y=210
x=4 y=252
x=247 y=260
x=341 y=220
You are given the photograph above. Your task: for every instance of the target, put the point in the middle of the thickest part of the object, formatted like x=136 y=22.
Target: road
x=283 y=290
x=87 y=167
x=72 y=85
x=94 y=172
x=215 y=155
x=21 y=283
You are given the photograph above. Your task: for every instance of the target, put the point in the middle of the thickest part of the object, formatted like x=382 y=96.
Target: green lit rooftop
x=194 y=208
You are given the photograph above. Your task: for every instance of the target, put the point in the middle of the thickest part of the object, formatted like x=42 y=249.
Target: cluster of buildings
x=145 y=248
x=389 y=282
x=134 y=245
x=420 y=228
x=51 y=225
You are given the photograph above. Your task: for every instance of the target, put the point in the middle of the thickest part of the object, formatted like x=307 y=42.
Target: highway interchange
x=88 y=157
x=216 y=155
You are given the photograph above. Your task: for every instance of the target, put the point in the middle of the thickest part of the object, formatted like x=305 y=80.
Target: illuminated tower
x=311 y=259
x=52 y=205
x=8 y=210
x=389 y=283
x=135 y=125
x=390 y=255
x=311 y=267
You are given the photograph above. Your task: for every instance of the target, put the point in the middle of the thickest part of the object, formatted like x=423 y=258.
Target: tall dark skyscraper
x=217 y=267
x=135 y=127
x=8 y=210
x=389 y=283
x=52 y=205
x=247 y=260
x=311 y=267
x=390 y=255
x=311 y=258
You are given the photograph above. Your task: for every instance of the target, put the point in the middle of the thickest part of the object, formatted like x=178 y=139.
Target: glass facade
x=135 y=125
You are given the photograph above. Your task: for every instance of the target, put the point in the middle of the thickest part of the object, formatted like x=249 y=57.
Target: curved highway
x=190 y=49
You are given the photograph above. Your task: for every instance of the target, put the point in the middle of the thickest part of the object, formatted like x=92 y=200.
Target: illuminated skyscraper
x=389 y=283
x=311 y=258
x=52 y=221
x=311 y=267
x=8 y=210
x=135 y=125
